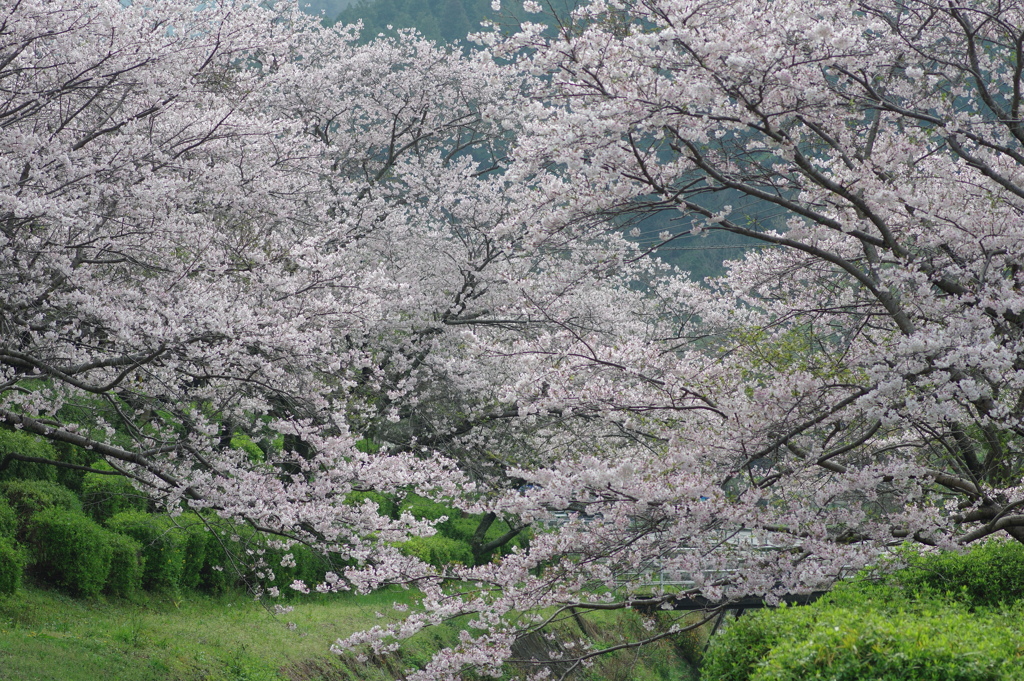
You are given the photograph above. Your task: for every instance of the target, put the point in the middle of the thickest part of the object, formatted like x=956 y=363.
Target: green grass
x=44 y=635
x=47 y=636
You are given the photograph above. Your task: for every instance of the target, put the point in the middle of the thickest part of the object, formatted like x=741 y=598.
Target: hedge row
x=8 y=520
x=69 y=551
x=29 y=497
x=104 y=496
x=452 y=543
x=134 y=550
x=990 y=574
x=17 y=442
x=956 y=617
x=102 y=539
x=12 y=562
x=438 y=550
x=929 y=640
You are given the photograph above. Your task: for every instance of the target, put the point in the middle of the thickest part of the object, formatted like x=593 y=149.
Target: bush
x=163 y=546
x=8 y=519
x=305 y=565
x=421 y=507
x=17 y=442
x=438 y=550
x=70 y=551
x=196 y=540
x=865 y=630
x=931 y=641
x=12 y=563
x=68 y=453
x=127 y=565
x=460 y=527
x=232 y=551
x=386 y=505
x=245 y=443
x=216 y=575
x=464 y=529
x=990 y=574
x=104 y=496
x=29 y=497
x=220 y=571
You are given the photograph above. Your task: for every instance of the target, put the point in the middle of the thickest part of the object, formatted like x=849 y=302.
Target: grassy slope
x=45 y=636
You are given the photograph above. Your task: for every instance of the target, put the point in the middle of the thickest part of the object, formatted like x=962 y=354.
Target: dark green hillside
x=440 y=20
x=326 y=9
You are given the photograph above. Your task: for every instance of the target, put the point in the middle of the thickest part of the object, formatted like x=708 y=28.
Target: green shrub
x=423 y=508
x=933 y=641
x=17 y=442
x=246 y=444
x=12 y=564
x=68 y=453
x=460 y=527
x=453 y=533
x=70 y=551
x=29 y=497
x=227 y=543
x=216 y=574
x=386 y=505
x=463 y=528
x=734 y=654
x=305 y=565
x=8 y=519
x=163 y=546
x=991 y=573
x=104 y=496
x=127 y=565
x=196 y=539
x=438 y=550
x=864 y=630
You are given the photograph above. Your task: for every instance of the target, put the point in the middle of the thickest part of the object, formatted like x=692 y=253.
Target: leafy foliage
x=949 y=615
x=926 y=641
x=197 y=541
x=164 y=548
x=386 y=505
x=217 y=575
x=16 y=442
x=69 y=551
x=297 y=564
x=29 y=497
x=458 y=527
x=68 y=453
x=127 y=565
x=990 y=574
x=8 y=519
x=12 y=564
x=439 y=550
x=104 y=496
x=245 y=443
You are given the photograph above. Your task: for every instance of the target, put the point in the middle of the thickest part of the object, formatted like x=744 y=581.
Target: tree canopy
x=398 y=267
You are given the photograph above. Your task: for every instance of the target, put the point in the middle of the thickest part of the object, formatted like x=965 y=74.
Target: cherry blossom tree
x=853 y=382
x=159 y=221
x=226 y=219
